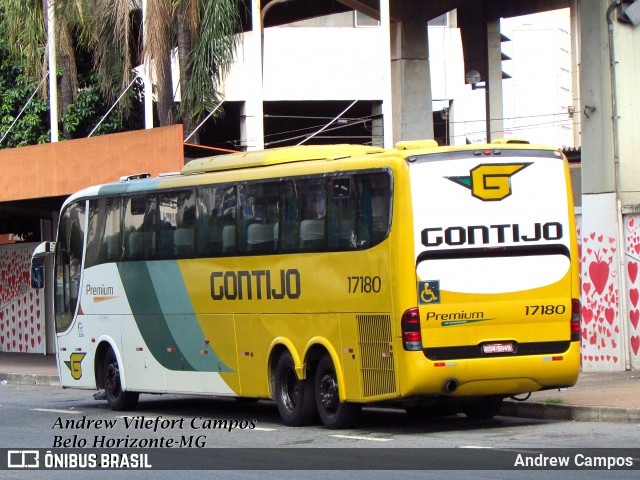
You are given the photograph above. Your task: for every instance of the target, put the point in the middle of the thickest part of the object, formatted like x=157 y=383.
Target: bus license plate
x=502 y=347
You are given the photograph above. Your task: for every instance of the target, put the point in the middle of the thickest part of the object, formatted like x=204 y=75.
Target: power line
x=24 y=107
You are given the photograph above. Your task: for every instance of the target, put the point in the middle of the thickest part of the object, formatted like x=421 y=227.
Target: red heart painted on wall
x=599 y=274
x=634 y=316
x=632 y=268
x=635 y=344
x=587 y=315
x=609 y=314
x=634 y=295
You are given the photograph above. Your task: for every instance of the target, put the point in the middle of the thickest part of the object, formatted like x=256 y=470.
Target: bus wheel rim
x=290 y=389
x=329 y=393
x=113 y=378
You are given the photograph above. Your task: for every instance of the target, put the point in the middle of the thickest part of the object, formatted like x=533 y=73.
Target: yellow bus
x=324 y=278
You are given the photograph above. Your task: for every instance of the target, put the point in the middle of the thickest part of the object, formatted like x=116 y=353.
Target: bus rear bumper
x=507 y=375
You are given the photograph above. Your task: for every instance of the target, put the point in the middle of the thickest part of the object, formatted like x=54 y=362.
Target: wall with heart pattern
x=609 y=336
x=632 y=260
x=22 y=327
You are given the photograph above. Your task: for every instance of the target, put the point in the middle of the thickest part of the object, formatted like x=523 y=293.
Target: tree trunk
x=65 y=90
x=166 y=107
x=184 y=48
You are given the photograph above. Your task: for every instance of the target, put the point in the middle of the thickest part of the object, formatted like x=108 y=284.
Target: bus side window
x=177 y=224
x=303 y=215
x=139 y=227
x=68 y=264
x=210 y=221
x=260 y=214
x=342 y=215
x=228 y=214
x=359 y=211
x=184 y=235
x=168 y=210
x=380 y=206
x=104 y=238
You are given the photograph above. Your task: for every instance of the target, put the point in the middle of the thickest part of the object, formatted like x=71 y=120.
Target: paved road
x=49 y=417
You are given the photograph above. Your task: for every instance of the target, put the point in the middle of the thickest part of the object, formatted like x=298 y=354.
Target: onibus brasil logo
x=490 y=181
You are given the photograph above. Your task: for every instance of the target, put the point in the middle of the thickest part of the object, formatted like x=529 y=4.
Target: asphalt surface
x=605 y=397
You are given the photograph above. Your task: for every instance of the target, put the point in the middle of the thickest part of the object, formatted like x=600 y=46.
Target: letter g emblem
x=490 y=181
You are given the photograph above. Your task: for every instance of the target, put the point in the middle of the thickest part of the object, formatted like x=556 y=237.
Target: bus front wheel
x=117 y=399
x=333 y=413
x=294 y=397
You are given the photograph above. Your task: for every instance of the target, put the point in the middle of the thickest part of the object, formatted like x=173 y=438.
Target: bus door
x=72 y=343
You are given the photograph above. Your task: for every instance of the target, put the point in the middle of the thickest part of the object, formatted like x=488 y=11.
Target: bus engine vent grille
x=376 y=356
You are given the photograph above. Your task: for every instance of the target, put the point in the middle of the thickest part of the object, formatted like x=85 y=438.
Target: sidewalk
x=605 y=397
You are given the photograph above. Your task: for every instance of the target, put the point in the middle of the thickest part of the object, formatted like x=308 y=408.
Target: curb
x=549 y=411
x=510 y=408
x=30 y=379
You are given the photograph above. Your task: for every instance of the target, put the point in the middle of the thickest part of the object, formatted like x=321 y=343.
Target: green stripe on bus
x=165 y=317
x=128 y=187
x=148 y=315
x=181 y=318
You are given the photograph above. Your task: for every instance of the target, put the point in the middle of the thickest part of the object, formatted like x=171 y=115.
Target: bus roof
x=426 y=148
x=274 y=156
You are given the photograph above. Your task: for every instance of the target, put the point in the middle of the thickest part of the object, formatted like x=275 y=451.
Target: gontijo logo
x=490 y=181
x=75 y=364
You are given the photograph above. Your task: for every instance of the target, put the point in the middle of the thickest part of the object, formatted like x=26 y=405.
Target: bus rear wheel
x=333 y=413
x=117 y=399
x=294 y=397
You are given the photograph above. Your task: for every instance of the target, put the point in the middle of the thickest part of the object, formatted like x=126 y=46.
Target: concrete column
x=252 y=121
x=386 y=107
x=610 y=234
x=495 y=127
x=575 y=68
x=598 y=170
x=412 y=115
x=377 y=128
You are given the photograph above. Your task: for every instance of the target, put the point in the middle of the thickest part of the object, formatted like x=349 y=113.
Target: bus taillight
x=411 y=336
x=575 y=320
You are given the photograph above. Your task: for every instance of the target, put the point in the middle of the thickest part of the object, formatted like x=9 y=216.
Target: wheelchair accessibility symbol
x=429 y=292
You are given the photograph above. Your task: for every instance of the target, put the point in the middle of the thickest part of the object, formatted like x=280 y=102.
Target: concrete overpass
x=409 y=93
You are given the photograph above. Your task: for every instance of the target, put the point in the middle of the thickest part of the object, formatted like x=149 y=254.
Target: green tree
x=202 y=31
x=205 y=35
x=25 y=29
x=213 y=27
x=15 y=89
x=79 y=117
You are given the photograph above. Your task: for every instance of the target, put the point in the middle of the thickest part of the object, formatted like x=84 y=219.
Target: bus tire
x=484 y=408
x=117 y=399
x=294 y=397
x=333 y=413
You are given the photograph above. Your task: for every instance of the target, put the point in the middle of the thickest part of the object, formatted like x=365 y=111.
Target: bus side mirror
x=38 y=259
x=37 y=272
